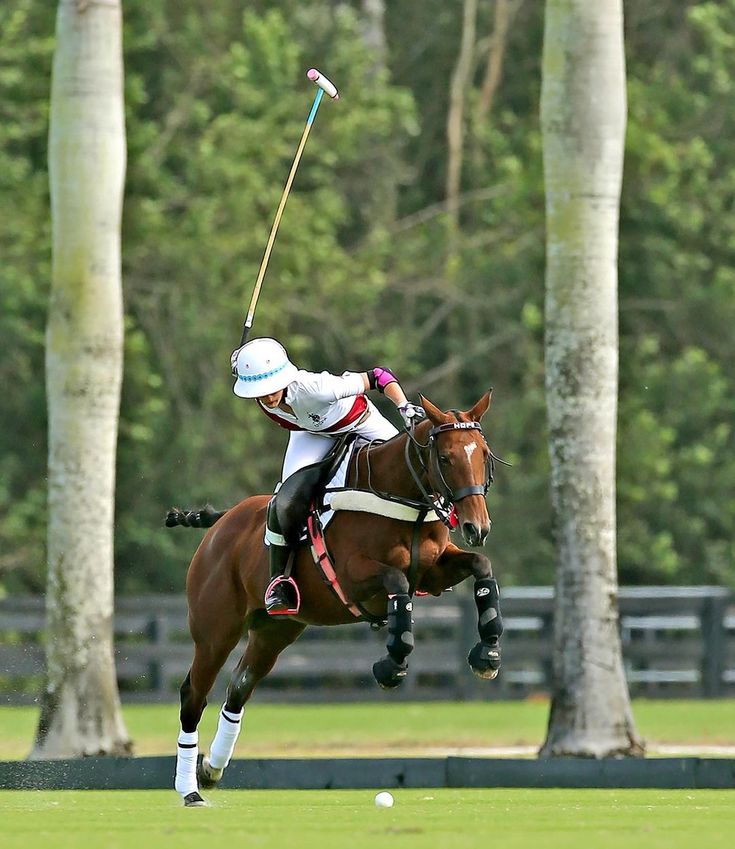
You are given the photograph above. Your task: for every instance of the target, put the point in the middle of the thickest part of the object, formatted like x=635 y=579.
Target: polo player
x=315 y=408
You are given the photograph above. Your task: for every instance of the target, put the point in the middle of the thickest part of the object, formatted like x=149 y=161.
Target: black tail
x=203 y=518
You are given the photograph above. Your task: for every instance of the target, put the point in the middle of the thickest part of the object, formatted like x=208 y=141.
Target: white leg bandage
x=186 y=762
x=223 y=745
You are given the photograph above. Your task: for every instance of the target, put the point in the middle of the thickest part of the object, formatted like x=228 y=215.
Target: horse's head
x=460 y=465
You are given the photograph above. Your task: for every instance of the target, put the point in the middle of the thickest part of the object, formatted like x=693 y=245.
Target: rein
x=443 y=500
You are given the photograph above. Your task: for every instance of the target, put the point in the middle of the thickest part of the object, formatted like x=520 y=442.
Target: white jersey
x=324 y=406
x=321 y=402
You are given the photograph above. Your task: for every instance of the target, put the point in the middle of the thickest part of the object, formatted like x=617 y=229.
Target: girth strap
x=324 y=563
x=415 y=551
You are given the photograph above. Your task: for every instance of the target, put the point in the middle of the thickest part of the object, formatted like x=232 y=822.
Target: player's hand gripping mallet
x=329 y=87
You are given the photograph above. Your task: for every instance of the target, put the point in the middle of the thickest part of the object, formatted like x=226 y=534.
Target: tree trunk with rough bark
x=461 y=80
x=80 y=710
x=583 y=115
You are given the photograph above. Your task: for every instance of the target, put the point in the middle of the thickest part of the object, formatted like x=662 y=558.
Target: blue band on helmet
x=263 y=375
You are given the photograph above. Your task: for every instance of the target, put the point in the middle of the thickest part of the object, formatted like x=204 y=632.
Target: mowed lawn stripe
x=471 y=819
x=271 y=730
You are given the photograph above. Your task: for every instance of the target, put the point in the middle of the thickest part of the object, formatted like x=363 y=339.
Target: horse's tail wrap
x=203 y=518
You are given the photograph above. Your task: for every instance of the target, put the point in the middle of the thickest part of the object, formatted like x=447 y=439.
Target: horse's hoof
x=194 y=800
x=388 y=673
x=207 y=775
x=484 y=660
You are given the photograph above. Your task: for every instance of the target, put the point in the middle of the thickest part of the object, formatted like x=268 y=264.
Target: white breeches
x=305 y=448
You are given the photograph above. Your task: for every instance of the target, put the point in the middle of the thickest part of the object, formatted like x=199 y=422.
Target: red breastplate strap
x=324 y=562
x=356 y=411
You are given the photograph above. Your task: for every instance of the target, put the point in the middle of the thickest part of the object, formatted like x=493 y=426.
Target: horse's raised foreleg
x=266 y=640
x=390 y=670
x=484 y=658
x=197 y=684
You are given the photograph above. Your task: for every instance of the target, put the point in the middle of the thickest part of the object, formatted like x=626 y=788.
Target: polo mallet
x=327 y=86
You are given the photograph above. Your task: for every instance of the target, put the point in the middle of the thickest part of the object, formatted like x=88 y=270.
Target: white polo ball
x=384 y=799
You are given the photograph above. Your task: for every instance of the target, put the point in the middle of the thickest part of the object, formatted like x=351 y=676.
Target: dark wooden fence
x=677 y=641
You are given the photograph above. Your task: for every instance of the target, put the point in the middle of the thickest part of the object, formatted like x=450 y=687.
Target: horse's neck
x=383 y=468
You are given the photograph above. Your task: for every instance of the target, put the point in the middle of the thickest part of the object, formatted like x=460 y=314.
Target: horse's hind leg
x=194 y=690
x=266 y=640
x=390 y=670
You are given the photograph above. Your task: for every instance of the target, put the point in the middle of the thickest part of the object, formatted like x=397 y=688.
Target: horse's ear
x=436 y=415
x=481 y=407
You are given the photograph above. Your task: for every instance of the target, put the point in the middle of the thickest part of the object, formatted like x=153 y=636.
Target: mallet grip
x=326 y=85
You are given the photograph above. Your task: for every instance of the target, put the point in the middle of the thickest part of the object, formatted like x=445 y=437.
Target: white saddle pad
x=337 y=497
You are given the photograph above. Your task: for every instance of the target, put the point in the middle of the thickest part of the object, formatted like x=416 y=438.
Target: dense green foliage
x=366 y=268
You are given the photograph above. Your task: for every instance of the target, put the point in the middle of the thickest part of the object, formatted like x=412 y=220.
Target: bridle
x=438 y=496
x=447 y=497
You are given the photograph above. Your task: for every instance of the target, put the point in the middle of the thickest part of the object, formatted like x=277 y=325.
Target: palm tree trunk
x=80 y=710
x=583 y=113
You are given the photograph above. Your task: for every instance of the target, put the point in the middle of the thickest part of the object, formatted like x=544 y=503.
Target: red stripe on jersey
x=357 y=410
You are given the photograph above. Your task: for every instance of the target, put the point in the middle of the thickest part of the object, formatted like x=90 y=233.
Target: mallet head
x=327 y=85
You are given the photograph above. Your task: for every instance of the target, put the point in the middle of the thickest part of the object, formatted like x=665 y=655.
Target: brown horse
x=445 y=466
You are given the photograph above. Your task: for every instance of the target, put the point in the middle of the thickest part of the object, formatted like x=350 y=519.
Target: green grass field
x=385 y=729
x=462 y=819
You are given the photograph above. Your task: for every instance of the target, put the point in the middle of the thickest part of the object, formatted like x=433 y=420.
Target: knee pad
x=487 y=600
x=273 y=531
x=400 y=637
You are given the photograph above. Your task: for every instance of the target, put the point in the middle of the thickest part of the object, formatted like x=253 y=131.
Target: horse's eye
x=444 y=459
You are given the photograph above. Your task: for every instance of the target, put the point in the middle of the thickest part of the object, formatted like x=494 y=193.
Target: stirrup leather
x=288 y=589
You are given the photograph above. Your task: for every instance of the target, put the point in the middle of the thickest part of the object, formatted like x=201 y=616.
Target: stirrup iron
x=291 y=592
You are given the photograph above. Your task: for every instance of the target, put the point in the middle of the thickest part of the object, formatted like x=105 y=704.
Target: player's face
x=272 y=400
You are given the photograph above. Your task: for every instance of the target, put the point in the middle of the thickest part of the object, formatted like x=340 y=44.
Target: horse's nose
x=473 y=535
x=485 y=532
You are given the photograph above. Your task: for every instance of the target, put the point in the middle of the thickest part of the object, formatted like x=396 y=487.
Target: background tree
x=215 y=100
x=583 y=111
x=80 y=709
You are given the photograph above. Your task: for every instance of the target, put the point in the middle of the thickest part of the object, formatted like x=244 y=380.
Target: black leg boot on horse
x=484 y=659
x=282 y=594
x=390 y=670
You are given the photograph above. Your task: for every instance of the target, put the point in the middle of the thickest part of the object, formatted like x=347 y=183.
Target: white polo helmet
x=263 y=367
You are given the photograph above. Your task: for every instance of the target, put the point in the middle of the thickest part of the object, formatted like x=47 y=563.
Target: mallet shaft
x=324 y=85
x=277 y=219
